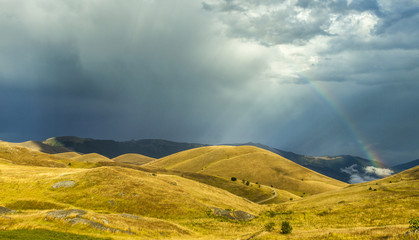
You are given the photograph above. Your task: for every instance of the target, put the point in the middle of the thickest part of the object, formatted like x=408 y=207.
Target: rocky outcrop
x=75 y=216
x=64 y=184
x=233 y=215
x=4 y=210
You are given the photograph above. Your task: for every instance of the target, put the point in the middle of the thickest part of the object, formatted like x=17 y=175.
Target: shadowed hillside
x=251 y=164
x=405 y=166
x=153 y=148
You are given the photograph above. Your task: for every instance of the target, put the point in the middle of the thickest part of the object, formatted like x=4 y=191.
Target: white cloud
x=381 y=172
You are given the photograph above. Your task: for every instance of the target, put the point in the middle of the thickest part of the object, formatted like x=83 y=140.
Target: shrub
x=414 y=224
x=247 y=183
x=233 y=179
x=286 y=227
x=269 y=226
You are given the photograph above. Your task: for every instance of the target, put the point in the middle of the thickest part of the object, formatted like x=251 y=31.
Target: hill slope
x=330 y=166
x=249 y=163
x=133 y=158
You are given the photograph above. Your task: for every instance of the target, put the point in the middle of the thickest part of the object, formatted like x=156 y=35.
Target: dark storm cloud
x=214 y=71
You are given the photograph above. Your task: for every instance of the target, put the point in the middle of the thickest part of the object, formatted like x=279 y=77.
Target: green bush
x=233 y=179
x=286 y=227
x=269 y=226
x=414 y=224
x=247 y=183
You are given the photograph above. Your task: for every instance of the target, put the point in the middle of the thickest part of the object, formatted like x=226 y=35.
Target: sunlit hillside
x=74 y=196
x=250 y=164
x=133 y=158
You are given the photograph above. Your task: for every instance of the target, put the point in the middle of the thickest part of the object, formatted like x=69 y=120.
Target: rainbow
x=328 y=98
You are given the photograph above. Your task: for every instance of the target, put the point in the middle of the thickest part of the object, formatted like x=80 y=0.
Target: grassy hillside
x=45 y=148
x=327 y=165
x=133 y=158
x=91 y=157
x=15 y=154
x=250 y=164
x=115 y=189
x=154 y=148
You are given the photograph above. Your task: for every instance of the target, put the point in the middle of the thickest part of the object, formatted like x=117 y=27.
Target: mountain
x=331 y=166
x=249 y=163
x=405 y=166
x=154 y=148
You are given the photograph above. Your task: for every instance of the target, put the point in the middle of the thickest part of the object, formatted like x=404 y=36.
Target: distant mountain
x=331 y=166
x=154 y=148
x=405 y=166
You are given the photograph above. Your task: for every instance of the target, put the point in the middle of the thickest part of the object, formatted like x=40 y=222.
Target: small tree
x=414 y=224
x=286 y=227
x=269 y=226
x=233 y=179
x=247 y=183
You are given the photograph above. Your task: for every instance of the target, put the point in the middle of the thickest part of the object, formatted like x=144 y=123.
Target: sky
x=314 y=77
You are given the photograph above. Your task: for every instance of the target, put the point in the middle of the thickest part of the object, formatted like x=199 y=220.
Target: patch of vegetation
x=233 y=179
x=33 y=204
x=26 y=234
x=269 y=226
x=414 y=224
x=286 y=227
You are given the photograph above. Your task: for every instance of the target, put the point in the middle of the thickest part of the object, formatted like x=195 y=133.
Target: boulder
x=64 y=184
x=4 y=210
x=233 y=215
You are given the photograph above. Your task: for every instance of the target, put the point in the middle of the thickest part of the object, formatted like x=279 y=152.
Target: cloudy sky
x=314 y=77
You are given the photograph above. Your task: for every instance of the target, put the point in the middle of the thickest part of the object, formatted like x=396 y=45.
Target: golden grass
x=252 y=164
x=67 y=154
x=91 y=157
x=133 y=158
x=169 y=206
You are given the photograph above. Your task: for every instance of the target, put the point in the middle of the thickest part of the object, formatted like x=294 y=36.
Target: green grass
x=26 y=234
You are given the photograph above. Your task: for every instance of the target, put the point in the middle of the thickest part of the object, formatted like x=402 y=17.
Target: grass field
x=128 y=203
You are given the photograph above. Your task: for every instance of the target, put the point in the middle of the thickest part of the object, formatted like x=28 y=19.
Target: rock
x=233 y=215
x=74 y=216
x=4 y=210
x=96 y=225
x=62 y=214
x=64 y=184
x=222 y=213
x=127 y=215
x=243 y=216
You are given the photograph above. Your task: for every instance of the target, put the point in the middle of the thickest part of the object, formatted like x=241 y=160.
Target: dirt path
x=274 y=196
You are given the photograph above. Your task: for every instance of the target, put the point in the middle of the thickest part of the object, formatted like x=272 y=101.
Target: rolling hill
x=41 y=200
x=133 y=158
x=153 y=148
x=250 y=164
x=330 y=166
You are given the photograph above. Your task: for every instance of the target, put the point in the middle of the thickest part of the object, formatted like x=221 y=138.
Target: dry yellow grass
x=41 y=147
x=252 y=164
x=12 y=153
x=68 y=155
x=165 y=206
x=133 y=158
x=91 y=157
